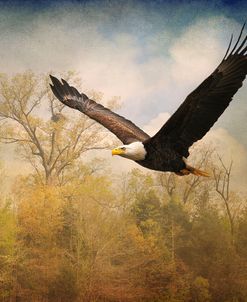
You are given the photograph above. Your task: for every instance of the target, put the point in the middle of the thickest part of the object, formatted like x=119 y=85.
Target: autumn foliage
x=68 y=232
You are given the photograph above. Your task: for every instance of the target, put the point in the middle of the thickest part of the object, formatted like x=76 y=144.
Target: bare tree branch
x=222 y=186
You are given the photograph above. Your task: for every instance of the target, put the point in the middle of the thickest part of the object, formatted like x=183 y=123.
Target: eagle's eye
x=123 y=148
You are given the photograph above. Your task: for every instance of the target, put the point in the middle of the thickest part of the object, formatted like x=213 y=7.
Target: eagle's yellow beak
x=117 y=151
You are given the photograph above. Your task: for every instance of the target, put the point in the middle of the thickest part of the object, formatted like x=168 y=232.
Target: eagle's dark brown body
x=162 y=157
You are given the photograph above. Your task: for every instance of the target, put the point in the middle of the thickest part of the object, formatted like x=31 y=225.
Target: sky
x=150 y=53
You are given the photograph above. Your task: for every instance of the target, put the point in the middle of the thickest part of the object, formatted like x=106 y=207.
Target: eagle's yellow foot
x=183 y=172
x=190 y=170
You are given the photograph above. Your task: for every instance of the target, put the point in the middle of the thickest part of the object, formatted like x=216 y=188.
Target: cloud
x=156 y=123
x=152 y=70
x=200 y=48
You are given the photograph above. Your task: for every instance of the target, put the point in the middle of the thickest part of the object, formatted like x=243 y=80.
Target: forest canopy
x=72 y=230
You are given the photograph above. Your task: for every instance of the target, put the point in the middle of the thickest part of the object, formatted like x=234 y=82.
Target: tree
x=40 y=221
x=200 y=290
x=46 y=137
x=222 y=177
x=8 y=257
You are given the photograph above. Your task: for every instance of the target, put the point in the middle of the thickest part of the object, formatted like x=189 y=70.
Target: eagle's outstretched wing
x=124 y=129
x=206 y=103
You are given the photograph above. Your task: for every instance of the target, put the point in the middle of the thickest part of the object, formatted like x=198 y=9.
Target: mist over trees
x=71 y=230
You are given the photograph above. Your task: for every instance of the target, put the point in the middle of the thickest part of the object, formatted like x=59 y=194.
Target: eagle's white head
x=134 y=151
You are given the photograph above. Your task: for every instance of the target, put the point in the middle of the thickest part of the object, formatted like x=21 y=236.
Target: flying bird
x=168 y=149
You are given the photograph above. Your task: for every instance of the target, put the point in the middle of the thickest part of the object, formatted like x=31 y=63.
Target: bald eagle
x=168 y=149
